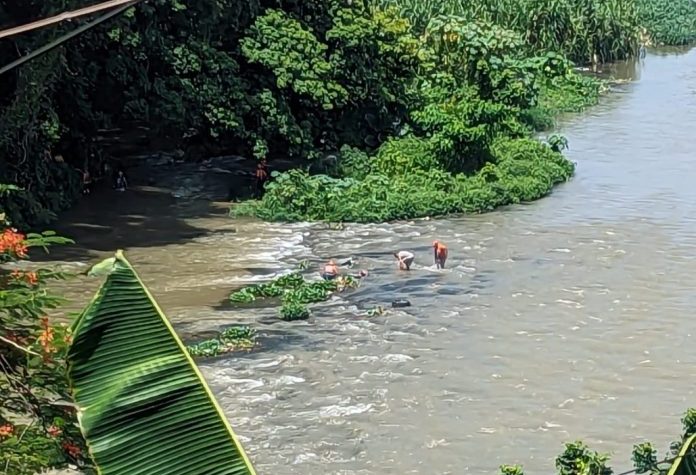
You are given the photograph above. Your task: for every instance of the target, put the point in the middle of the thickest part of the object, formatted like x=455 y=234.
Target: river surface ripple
x=568 y=318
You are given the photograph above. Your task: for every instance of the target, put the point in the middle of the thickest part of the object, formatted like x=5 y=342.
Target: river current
x=567 y=318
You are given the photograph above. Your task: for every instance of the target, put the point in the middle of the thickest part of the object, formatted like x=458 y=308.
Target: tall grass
x=586 y=31
x=669 y=22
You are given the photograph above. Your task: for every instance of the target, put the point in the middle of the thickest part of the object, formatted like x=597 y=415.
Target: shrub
x=38 y=426
x=520 y=170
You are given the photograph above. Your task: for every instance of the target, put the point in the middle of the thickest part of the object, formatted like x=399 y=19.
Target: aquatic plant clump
x=295 y=291
x=227 y=341
x=270 y=289
x=294 y=311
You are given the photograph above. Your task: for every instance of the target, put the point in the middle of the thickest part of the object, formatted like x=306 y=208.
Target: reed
x=587 y=31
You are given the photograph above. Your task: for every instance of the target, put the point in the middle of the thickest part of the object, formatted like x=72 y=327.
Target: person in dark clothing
x=86 y=182
x=261 y=178
x=121 y=181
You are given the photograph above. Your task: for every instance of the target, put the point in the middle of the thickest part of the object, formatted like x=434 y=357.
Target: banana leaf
x=143 y=405
x=685 y=463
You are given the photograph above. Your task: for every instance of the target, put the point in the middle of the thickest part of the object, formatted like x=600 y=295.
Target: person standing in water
x=405 y=259
x=330 y=270
x=261 y=177
x=440 y=252
x=121 y=181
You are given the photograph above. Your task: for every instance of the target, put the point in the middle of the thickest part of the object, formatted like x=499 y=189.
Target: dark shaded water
x=568 y=318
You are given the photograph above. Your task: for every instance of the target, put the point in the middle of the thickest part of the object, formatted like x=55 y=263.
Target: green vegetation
x=475 y=95
x=255 y=78
x=578 y=459
x=137 y=389
x=670 y=23
x=296 y=293
x=38 y=425
x=227 y=341
x=307 y=81
x=275 y=288
x=520 y=170
x=584 y=30
x=391 y=109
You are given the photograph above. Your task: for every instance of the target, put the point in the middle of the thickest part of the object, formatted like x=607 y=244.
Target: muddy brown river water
x=568 y=318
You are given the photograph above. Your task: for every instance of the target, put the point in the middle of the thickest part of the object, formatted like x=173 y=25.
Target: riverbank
x=376 y=75
x=426 y=176
x=232 y=91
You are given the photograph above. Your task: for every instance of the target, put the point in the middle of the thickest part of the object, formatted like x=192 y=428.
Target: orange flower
x=32 y=278
x=13 y=242
x=46 y=337
x=6 y=430
x=72 y=449
x=54 y=431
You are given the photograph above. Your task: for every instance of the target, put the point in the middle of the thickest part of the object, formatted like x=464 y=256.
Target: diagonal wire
x=59 y=41
x=62 y=17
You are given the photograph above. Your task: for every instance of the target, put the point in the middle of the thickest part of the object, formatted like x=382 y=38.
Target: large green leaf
x=685 y=463
x=144 y=407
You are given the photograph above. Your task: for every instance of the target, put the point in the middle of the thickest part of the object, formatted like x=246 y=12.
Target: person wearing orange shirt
x=440 y=251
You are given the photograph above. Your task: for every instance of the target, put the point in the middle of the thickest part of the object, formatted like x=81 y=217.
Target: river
x=567 y=318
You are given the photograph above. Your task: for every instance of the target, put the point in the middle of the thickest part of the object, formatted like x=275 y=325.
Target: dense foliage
x=520 y=170
x=243 y=76
x=464 y=145
x=584 y=30
x=292 y=79
x=668 y=23
x=38 y=426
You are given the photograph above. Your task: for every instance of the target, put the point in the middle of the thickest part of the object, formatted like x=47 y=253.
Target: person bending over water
x=405 y=259
x=440 y=254
x=330 y=271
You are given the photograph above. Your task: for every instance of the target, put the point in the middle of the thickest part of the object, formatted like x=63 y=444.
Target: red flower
x=13 y=242
x=6 y=430
x=72 y=449
x=54 y=431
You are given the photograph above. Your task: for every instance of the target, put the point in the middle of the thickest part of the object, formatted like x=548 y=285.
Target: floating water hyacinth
x=296 y=293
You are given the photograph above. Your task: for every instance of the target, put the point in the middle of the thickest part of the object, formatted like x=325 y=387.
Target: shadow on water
x=142 y=217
